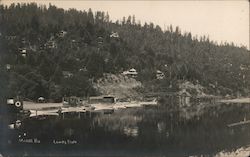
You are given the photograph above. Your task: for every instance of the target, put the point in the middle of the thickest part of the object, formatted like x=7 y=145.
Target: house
x=100 y=40
x=212 y=85
x=23 y=40
x=84 y=69
x=41 y=100
x=23 y=52
x=51 y=44
x=132 y=72
x=243 y=67
x=8 y=66
x=62 y=33
x=67 y=74
x=114 y=35
x=73 y=101
x=159 y=75
x=184 y=97
x=11 y=37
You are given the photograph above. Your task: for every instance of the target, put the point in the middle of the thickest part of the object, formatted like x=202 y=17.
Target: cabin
x=132 y=72
x=74 y=44
x=184 y=97
x=23 y=40
x=23 y=52
x=41 y=99
x=159 y=75
x=84 y=69
x=51 y=44
x=114 y=35
x=62 y=33
x=212 y=85
x=102 y=100
x=243 y=67
x=8 y=66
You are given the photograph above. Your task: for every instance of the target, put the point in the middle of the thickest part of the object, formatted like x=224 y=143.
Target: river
x=199 y=129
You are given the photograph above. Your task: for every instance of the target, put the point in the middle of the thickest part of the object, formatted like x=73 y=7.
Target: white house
x=159 y=75
x=114 y=35
x=51 y=44
x=23 y=52
x=132 y=72
x=8 y=66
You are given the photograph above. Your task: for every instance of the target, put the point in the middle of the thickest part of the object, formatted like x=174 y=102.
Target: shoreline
x=237 y=100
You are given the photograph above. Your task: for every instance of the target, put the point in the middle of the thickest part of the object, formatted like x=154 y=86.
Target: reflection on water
x=197 y=129
x=131 y=131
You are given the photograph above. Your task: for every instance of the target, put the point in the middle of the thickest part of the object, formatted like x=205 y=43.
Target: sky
x=222 y=21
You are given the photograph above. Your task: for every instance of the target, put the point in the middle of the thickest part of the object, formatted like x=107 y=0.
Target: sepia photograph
x=107 y=78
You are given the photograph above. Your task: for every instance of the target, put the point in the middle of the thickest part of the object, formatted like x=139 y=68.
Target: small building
x=67 y=74
x=132 y=72
x=62 y=33
x=114 y=35
x=184 y=97
x=159 y=75
x=51 y=44
x=23 y=52
x=243 y=67
x=212 y=85
x=84 y=69
x=102 y=100
x=23 y=40
x=41 y=99
x=100 y=40
x=8 y=66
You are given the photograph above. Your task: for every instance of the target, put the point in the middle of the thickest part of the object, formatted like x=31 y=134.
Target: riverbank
x=240 y=152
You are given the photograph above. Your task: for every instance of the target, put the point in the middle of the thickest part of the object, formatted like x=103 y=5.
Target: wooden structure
x=102 y=99
x=73 y=101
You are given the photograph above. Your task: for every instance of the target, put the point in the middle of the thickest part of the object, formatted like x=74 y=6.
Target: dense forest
x=51 y=52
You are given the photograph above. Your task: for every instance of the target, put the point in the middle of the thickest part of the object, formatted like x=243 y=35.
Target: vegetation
x=54 y=52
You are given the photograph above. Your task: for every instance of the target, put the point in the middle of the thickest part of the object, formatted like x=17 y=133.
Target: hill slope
x=119 y=86
x=53 y=52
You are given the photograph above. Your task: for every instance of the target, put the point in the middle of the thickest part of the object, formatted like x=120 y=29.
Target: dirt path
x=35 y=106
x=238 y=100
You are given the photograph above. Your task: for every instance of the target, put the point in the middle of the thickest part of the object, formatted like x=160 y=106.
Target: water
x=153 y=131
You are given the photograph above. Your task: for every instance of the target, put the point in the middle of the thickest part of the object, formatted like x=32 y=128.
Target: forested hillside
x=51 y=52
